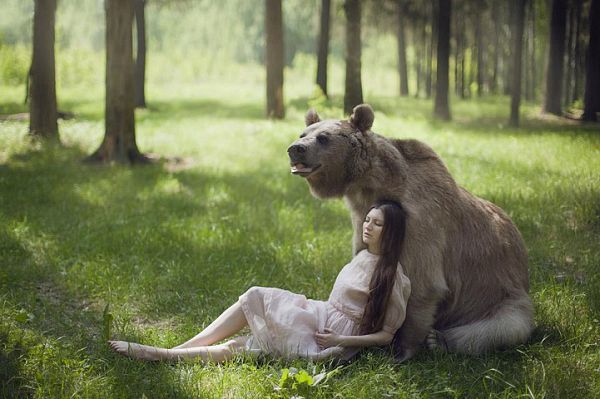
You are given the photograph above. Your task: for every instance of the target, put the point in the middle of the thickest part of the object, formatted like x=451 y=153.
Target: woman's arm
x=329 y=339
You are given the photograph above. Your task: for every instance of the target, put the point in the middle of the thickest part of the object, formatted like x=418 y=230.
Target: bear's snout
x=296 y=150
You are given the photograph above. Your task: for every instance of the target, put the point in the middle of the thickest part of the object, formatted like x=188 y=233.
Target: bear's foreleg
x=420 y=317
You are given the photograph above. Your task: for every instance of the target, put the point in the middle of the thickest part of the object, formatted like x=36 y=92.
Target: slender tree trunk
x=554 y=76
x=507 y=49
x=42 y=89
x=531 y=63
x=430 y=42
x=418 y=60
x=442 y=109
x=526 y=41
x=274 y=58
x=353 y=91
x=434 y=35
x=463 y=62
x=569 y=59
x=323 y=46
x=518 y=25
x=140 y=60
x=578 y=70
x=119 y=143
x=497 y=29
x=592 y=76
x=402 y=67
x=480 y=47
x=472 y=68
x=456 y=63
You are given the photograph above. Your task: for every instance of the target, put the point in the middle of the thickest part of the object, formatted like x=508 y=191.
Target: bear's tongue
x=300 y=168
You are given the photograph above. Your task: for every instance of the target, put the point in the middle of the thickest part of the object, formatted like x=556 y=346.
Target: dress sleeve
x=396 y=309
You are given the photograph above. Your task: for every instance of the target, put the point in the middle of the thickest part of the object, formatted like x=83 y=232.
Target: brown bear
x=466 y=260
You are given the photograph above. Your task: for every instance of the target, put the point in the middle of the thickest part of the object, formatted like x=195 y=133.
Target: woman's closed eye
x=376 y=222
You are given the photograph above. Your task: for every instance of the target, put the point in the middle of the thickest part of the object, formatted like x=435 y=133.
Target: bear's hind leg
x=510 y=325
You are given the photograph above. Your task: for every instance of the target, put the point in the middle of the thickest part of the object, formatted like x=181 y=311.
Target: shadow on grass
x=12 y=383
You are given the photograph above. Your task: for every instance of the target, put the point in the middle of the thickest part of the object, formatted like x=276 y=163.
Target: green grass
x=154 y=253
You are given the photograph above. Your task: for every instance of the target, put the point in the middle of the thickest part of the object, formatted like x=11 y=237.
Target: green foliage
x=14 y=64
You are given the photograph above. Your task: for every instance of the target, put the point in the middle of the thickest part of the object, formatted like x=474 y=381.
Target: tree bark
x=578 y=67
x=274 y=58
x=442 y=109
x=497 y=19
x=592 y=76
x=119 y=143
x=569 y=56
x=479 y=45
x=323 y=46
x=417 y=45
x=402 y=67
x=530 y=59
x=429 y=64
x=554 y=75
x=42 y=89
x=353 y=88
x=140 y=60
x=506 y=44
x=518 y=27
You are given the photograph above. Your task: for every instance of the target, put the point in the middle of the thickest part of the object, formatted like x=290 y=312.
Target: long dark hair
x=384 y=275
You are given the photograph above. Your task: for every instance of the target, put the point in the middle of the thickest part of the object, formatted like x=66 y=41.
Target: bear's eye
x=303 y=135
x=323 y=139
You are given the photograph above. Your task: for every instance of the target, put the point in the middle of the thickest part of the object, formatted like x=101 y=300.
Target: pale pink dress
x=284 y=324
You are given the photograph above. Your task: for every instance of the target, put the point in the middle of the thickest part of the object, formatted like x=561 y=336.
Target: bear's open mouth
x=303 y=170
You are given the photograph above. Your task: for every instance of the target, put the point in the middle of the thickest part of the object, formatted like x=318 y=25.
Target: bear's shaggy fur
x=465 y=258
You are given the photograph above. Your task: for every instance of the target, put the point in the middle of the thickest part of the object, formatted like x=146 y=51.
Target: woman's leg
x=216 y=353
x=227 y=324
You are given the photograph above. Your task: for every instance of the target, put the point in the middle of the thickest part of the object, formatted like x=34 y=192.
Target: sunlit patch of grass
x=168 y=246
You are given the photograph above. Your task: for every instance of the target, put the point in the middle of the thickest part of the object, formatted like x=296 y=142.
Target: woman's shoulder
x=365 y=257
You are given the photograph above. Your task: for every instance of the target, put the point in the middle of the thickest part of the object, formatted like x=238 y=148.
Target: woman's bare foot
x=139 y=351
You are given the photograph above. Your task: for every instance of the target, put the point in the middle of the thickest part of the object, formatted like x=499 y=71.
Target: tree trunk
x=442 y=109
x=554 y=75
x=42 y=89
x=497 y=19
x=592 y=76
x=569 y=59
x=274 y=58
x=480 y=46
x=456 y=64
x=577 y=81
x=140 y=60
x=518 y=25
x=530 y=62
x=119 y=143
x=428 y=42
x=353 y=90
x=417 y=41
x=323 y=46
x=402 y=67
x=463 y=57
x=507 y=48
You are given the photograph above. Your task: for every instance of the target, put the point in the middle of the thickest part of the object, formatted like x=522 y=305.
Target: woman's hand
x=328 y=338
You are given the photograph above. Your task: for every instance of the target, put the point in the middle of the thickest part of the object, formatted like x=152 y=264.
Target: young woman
x=365 y=308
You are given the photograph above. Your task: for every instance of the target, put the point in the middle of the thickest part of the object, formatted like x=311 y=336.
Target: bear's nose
x=296 y=149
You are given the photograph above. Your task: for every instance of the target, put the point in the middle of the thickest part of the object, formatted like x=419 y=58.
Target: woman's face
x=372 y=228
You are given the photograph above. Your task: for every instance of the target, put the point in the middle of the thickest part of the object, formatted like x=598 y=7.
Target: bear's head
x=331 y=154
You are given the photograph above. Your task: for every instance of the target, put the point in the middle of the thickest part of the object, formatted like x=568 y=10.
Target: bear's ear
x=311 y=117
x=362 y=117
